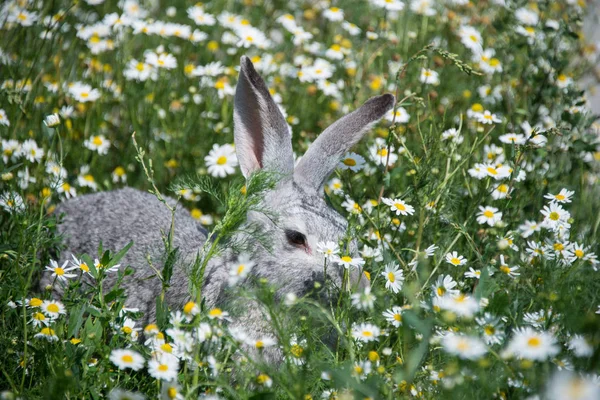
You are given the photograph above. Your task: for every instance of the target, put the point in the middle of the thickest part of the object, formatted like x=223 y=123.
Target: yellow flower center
x=47 y=331
x=172 y=393
x=477 y=107
x=221 y=160
x=215 y=312
x=455 y=261
x=39 y=316
x=240 y=269
x=163 y=367
x=391 y=277
x=492 y=170
x=554 y=216
x=579 y=253
x=441 y=291
x=59 y=271
x=346 y=259
x=126 y=330
x=84 y=267
x=488 y=214
x=97 y=140
x=35 y=302
x=140 y=66
x=503 y=188
x=534 y=342
x=351 y=162
x=400 y=206
x=297 y=350
x=398 y=317
x=189 y=307
x=382 y=152
x=462 y=345
x=505 y=269
x=127 y=358
x=489 y=330
x=262 y=379
x=259 y=344
x=367 y=333
x=166 y=347
x=53 y=308
x=558 y=246
x=560 y=197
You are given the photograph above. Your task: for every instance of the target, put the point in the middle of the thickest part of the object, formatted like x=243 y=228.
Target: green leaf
x=75 y=320
x=167 y=271
x=486 y=285
x=113 y=294
x=117 y=257
x=162 y=313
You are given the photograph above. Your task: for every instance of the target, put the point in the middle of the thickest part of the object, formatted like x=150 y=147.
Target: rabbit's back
x=118 y=217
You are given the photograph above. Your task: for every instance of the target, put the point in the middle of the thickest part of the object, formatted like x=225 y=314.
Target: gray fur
x=262 y=140
x=262 y=137
x=323 y=156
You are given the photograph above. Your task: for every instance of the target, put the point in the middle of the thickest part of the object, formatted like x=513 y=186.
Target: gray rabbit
x=263 y=140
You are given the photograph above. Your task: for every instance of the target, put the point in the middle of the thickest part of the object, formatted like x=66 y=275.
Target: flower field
x=472 y=206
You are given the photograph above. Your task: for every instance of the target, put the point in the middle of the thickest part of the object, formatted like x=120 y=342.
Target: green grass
x=177 y=119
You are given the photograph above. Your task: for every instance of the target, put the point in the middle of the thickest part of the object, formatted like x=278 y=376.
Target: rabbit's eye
x=296 y=238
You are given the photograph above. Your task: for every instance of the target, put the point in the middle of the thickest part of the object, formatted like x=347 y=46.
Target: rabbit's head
x=303 y=218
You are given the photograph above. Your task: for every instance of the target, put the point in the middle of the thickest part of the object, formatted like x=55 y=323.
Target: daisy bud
x=503 y=244
x=52 y=120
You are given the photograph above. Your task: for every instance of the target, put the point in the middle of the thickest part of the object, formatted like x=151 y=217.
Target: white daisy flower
x=53 y=308
x=456 y=260
x=348 y=262
x=221 y=160
x=126 y=358
x=164 y=367
x=60 y=273
x=47 y=333
x=394 y=316
x=83 y=93
x=394 y=277
x=334 y=14
x=463 y=346
x=399 y=116
x=329 y=249
x=365 y=332
x=488 y=118
x=445 y=285
x=352 y=161
x=429 y=76
x=400 y=207
x=530 y=344
x=364 y=300
x=240 y=269
x=564 y=196
x=489 y=215
x=98 y=143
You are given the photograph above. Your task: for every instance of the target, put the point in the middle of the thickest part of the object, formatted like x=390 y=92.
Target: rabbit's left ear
x=262 y=136
x=323 y=156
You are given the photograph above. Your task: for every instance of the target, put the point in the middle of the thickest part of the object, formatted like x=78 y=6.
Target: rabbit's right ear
x=262 y=136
